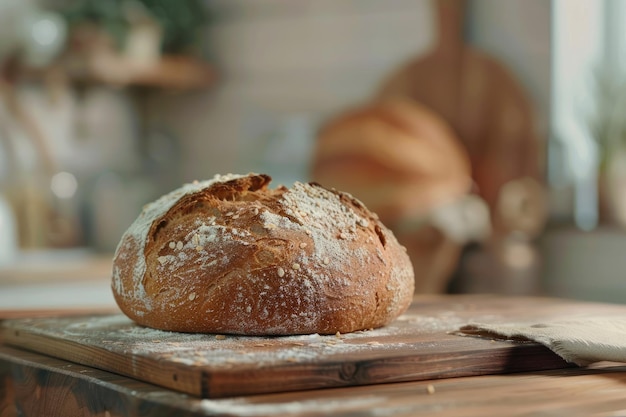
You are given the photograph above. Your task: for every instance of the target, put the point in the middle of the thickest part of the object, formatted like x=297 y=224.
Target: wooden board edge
x=179 y=379
x=32 y=382
x=507 y=357
x=511 y=357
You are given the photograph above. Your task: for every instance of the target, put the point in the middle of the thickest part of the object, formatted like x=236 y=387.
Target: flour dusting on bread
x=230 y=255
x=137 y=233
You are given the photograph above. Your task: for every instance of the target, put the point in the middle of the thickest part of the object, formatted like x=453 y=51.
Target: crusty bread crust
x=231 y=255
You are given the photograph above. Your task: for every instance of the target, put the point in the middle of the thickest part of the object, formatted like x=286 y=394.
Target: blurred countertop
x=56 y=280
x=584 y=265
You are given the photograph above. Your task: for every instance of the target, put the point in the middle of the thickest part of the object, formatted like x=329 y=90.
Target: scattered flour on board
x=118 y=334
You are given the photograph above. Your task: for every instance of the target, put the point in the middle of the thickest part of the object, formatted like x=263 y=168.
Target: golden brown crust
x=231 y=255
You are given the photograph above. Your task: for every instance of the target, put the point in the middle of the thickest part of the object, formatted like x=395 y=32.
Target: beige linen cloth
x=581 y=341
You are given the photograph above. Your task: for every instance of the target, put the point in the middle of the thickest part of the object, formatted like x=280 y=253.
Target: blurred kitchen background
x=106 y=105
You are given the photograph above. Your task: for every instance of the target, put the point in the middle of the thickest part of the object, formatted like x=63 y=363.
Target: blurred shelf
x=169 y=72
x=173 y=72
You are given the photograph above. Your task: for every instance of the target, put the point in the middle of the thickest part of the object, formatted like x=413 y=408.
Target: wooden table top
x=34 y=384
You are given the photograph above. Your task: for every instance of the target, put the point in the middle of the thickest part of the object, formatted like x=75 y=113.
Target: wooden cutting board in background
x=487 y=108
x=420 y=345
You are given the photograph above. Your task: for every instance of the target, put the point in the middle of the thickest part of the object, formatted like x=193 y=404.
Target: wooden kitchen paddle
x=490 y=113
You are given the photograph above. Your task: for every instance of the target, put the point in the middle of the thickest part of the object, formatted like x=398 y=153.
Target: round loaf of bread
x=231 y=255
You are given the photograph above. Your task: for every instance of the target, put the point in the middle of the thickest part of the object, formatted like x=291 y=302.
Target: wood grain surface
x=420 y=345
x=33 y=385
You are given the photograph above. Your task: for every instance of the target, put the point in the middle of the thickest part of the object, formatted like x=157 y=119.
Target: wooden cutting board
x=486 y=106
x=422 y=344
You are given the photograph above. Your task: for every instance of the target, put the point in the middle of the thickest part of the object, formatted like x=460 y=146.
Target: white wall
x=286 y=65
x=518 y=32
x=283 y=67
